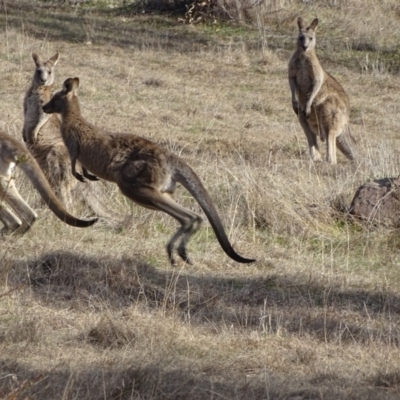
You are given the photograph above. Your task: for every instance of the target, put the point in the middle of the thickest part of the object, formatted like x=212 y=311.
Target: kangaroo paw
x=79 y=177
x=171 y=258
x=183 y=254
x=92 y=177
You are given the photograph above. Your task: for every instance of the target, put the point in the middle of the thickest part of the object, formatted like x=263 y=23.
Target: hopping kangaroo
x=41 y=132
x=144 y=171
x=21 y=218
x=318 y=99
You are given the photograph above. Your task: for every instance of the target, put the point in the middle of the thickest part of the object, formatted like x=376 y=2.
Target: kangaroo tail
x=342 y=142
x=35 y=174
x=351 y=136
x=187 y=177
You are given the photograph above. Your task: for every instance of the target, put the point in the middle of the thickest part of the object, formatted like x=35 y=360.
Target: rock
x=378 y=202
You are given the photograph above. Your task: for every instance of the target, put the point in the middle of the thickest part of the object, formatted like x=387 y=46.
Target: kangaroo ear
x=300 y=23
x=71 y=85
x=37 y=59
x=68 y=85
x=314 y=24
x=75 y=84
x=53 y=60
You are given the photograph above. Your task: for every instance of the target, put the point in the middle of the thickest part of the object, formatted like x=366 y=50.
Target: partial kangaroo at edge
x=21 y=218
x=318 y=99
x=144 y=171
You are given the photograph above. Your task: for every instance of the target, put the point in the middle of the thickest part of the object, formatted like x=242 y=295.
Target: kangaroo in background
x=42 y=134
x=21 y=218
x=318 y=99
x=144 y=172
x=38 y=94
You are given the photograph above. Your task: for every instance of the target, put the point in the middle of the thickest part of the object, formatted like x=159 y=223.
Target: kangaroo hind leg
x=331 y=125
x=311 y=138
x=10 y=221
x=188 y=231
x=59 y=175
x=154 y=199
x=26 y=216
x=331 y=147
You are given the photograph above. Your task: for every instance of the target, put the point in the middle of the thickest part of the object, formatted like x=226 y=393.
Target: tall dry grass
x=98 y=313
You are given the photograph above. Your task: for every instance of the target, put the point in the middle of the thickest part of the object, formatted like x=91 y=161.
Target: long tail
x=35 y=174
x=342 y=142
x=187 y=177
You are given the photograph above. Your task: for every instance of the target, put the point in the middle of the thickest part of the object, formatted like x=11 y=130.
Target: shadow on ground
x=267 y=303
x=82 y=26
x=153 y=382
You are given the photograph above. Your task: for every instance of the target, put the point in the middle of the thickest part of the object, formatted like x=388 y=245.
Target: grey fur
x=318 y=99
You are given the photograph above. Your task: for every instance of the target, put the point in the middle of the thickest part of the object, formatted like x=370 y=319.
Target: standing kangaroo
x=41 y=132
x=318 y=99
x=21 y=218
x=39 y=93
x=144 y=172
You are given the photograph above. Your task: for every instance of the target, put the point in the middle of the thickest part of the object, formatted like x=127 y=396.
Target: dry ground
x=99 y=314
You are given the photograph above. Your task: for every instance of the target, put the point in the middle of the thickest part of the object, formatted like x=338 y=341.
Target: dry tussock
x=99 y=313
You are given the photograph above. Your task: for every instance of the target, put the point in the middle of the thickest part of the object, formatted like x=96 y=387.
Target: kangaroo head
x=44 y=74
x=60 y=100
x=306 y=38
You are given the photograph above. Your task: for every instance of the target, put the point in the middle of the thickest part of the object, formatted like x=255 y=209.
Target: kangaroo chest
x=308 y=75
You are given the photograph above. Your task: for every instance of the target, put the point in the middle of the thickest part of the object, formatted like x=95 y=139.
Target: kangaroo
x=144 y=171
x=47 y=147
x=38 y=94
x=21 y=218
x=41 y=132
x=318 y=99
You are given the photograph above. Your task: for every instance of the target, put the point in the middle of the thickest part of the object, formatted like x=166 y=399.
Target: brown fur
x=21 y=217
x=144 y=171
x=42 y=134
x=39 y=93
x=318 y=99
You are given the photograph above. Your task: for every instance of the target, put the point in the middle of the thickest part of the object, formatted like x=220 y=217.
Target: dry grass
x=99 y=314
